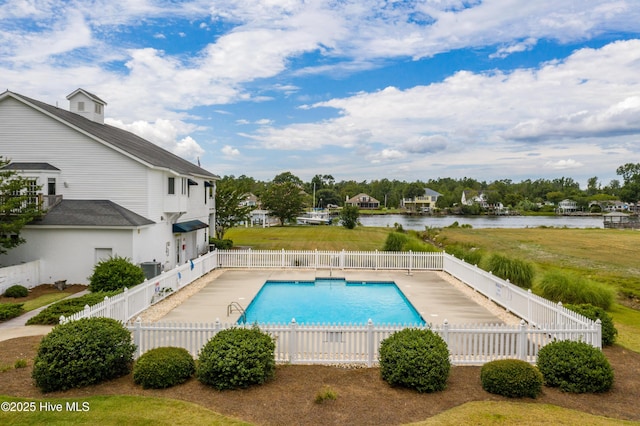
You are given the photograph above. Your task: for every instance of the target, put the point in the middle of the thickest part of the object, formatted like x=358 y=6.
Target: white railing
x=24 y=274
x=545 y=320
x=359 y=344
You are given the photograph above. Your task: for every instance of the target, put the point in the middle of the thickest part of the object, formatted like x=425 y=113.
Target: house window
x=172 y=186
x=51 y=186
x=98 y=109
x=81 y=106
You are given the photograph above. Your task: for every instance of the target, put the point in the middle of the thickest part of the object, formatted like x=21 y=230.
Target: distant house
x=363 y=201
x=105 y=191
x=567 y=206
x=249 y=200
x=423 y=203
x=470 y=197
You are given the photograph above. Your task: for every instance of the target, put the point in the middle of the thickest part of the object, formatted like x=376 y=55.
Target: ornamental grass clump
x=163 y=367
x=512 y=378
x=81 y=353
x=416 y=359
x=574 y=289
x=517 y=271
x=237 y=358
x=575 y=367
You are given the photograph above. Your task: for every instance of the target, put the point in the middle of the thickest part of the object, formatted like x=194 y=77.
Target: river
x=419 y=223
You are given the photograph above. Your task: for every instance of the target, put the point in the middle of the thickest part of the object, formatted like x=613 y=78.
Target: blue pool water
x=331 y=301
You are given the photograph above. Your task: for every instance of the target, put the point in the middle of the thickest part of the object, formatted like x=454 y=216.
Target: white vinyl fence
x=543 y=321
x=24 y=274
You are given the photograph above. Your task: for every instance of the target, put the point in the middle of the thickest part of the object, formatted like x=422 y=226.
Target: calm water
x=420 y=222
x=331 y=301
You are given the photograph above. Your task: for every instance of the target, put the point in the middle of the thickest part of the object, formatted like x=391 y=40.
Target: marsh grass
x=567 y=287
x=518 y=271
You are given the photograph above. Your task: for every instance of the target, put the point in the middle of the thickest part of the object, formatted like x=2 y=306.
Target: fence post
x=292 y=340
x=521 y=352
x=445 y=332
x=137 y=336
x=282 y=261
x=107 y=307
x=62 y=320
x=342 y=259
x=126 y=304
x=529 y=314
x=598 y=342
x=370 y=345
x=410 y=261
x=87 y=312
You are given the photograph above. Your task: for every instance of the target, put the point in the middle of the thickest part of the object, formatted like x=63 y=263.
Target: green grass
x=44 y=300
x=490 y=413
x=116 y=410
x=309 y=238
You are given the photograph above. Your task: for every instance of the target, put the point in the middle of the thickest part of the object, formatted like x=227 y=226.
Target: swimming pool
x=331 y=301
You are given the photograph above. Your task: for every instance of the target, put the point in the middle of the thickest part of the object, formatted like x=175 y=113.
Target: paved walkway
x=434 y=298
x=16 y=327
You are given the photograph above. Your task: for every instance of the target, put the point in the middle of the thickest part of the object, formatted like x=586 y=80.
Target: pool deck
x=434 y=298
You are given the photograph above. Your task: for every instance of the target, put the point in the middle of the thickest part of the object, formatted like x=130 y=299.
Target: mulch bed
x=363 y=397
x=41 y=290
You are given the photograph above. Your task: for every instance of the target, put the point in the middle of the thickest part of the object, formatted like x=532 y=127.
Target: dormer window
x=98 y=108
x=80 y=106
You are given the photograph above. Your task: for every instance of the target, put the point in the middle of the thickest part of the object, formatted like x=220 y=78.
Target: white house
x=422 y=203
x=106 y=191
x=567 y=206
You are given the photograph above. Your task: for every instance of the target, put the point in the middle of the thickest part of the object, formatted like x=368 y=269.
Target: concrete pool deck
x=432 y=296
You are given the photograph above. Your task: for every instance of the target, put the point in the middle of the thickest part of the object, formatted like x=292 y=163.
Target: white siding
x=91 y=170
x=69 y=254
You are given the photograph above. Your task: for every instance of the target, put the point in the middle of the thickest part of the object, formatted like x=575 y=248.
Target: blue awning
x=188 y=226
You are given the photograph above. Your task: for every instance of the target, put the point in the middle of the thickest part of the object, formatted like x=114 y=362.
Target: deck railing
x=543 y=320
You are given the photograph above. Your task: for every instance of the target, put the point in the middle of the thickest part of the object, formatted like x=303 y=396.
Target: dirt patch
x=363 y=398
x=41 y=290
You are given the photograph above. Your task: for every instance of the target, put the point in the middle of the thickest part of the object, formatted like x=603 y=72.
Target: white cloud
x=563 y=164
x=230 y=151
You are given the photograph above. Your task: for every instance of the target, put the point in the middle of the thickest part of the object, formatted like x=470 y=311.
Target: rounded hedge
x=512 y=378
x=575 y=367
x=81 y=353
x=237 y=358
x=415 y=359
x=16 y=291
x=594 y=313
x=163 y=367
x=115 y=273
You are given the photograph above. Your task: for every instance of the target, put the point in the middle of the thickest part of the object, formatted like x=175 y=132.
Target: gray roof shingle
x=91 y=213
x=124 y=140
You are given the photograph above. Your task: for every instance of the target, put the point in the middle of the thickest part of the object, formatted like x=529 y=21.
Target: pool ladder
x=238 y=308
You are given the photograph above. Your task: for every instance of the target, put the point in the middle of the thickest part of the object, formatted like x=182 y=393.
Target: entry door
x=178 y=251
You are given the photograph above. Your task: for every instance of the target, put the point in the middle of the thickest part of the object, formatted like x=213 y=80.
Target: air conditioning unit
x=151 y=269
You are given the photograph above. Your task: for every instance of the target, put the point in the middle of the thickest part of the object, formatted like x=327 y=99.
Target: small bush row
x=10 y=310
x=225 y=244
x=51 y=315
x=16 y=291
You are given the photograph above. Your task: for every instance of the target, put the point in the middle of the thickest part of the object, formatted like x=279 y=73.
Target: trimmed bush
x=574 y=289
x=16 y=291
x=225 y=244
x=237 y=358
x=512 y=378
x=609 y=331
x=517 y=271
x=81 y=353
x=575 y=367
x=415 y=359
x=163 y=367
x=114 y=274
x=51 y=315
x=10 y=310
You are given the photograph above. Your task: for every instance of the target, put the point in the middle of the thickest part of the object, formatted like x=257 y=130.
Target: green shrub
x=395 y=241
x=20 y=363
x=327 y=393
x=517 y=271
x=225 y=244
x=81 y=353
x=115 y=273
x=512 y=378
x=163 y=367
x=574 y=289
x=51 y=315
x=469 y=254
x=10 y=310
x=575 y=367
x=237 y=358
x=415 y=359
x=609 y=331
x=16 y=291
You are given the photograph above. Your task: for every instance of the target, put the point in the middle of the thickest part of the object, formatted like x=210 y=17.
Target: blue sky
x=363 y=89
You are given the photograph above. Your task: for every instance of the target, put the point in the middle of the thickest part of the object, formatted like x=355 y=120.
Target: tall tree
x=229 y=212
x=19 y=205
x=284 y=200
x=349 y=216
x=630 y=191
